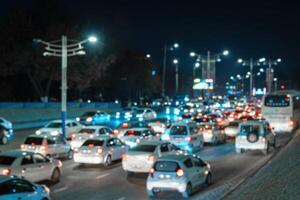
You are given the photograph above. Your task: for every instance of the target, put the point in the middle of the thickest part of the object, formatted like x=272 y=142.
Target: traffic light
x=282 y=87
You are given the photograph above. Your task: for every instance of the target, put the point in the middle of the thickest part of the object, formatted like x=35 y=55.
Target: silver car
x=89 y=132
x=213 y=134
x=141 y=158
x=48 y=145
x=100 y=150
x=178 y=172
x=133 y=137
x=32 y=166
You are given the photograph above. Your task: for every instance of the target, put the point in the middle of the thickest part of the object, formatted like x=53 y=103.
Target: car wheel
x=4 y=140
x=238 y=151
x=107 y=161
x=55 y=175
x=151 y=193
x=188 y=191
x=70 y=155
x=208 y=180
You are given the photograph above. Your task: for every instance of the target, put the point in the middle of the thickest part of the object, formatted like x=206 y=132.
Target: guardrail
x=99 y=105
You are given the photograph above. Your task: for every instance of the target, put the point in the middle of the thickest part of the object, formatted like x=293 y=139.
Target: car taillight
x=180 y=118
x=151 y=172
x=76 y=150
x=291 y=123
x=22 y=146
x=42 y=148
x=188 y=139
x=222 y=132
x=124 y=157
x=209 y=131
x=73 y=136
x=179 y=172
x=151 y=158
x=116 y=132
x=263 y=139
x=99 y=151
x=6 y=172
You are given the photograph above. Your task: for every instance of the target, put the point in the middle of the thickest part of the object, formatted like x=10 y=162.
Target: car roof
x=59 y=121
x=5 y=178
x=183 y=123
x=139 y=128
x=174 y=156
x=153 y=142
x=253 y=122
x=16 y=153
x=94 y=127
x=47 y=135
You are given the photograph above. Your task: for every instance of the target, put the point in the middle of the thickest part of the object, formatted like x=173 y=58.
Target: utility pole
x=163 y=89
x=64 y=60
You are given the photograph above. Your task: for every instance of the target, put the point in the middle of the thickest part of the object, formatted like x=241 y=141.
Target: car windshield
x=139 y=111
x=144 y=148
x=250 y=129
x=87 y=131
x=178 y=130
x=6 y=160
x=166 y=166
x=54 y=125
x=133 y=133
x=93 y=143
x=234 y=124
x=34 y=141
x=277 y=101
x=88 y=114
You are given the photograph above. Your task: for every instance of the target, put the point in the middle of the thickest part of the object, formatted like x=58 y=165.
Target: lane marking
x=102 y=176
x=60 y=189
x=121 y=198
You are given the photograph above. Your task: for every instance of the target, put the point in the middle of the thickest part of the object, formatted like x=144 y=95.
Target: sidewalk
x=279 y=179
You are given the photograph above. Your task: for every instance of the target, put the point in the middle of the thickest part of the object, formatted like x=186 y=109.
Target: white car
x=186 y=136
x=125 y=126
x=140 y=158
x=6 y=131
x=134 y=136
x=232 y=129
x=100 y=150
x=159 y=125
x=55 y=128
x=255 y=135
x=145 y=114
x=32 y=166
x=48 y=145
x=178 y=172
x=213 y=134
x=94 y=118
x=89 y=132
x=17 y=188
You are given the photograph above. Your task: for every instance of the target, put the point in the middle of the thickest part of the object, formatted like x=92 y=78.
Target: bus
x=282 y=110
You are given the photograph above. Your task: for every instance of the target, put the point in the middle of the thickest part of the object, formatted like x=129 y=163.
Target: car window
x=93 y=143
x=144 y=148
x=164 y=148
x=7 y=160
x=69 y=124
x=250 y=129
x=74 y=124
x=173 y=147
x=50 y=141
x=198 y=162
x=27 y=160
x=111 y=142
x=193 y=130
x=108 y=131
x=20 y=186
x=166 y=166
x=188 y=163
x=53 y=125
x=87 y=130
x=178 y=130
x=102 y=131
x=5 y=188
x=118 y=142
x=39 y=158
x=34 y=140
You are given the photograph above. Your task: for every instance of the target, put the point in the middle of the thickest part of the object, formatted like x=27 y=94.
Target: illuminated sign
x=206 y=84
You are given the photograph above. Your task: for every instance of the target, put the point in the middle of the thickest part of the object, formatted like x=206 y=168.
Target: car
x=94 y=118
x=127 y=113
x=140 y=158
x=55 y=128
x=186 y=136
x=145 y=114
x=32 y=166
x=232 y=129
x=134 y=136
x=6 y=131
x=88 y=132
x=178 y=172
x=159 y=125
x=48 y=145
x=255 y=135
x=213 y=134
x=123 y=127
x=100 y=150
x=18 y=188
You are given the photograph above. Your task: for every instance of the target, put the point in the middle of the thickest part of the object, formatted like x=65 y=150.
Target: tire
x=151 y=193
x=4 y=140
x=108 y=161
x=239 y=151
x=70 y=155
x=55 y=177
x=188 y=191
x=208 y=180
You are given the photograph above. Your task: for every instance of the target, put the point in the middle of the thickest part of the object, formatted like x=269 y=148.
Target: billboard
x=205 y=84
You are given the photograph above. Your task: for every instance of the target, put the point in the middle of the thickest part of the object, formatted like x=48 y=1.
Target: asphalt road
x=112 y=183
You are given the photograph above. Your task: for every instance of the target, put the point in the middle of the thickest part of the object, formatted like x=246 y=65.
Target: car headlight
x=78 y=119
x=46 y=189
x=54 y=132
x=38 y=132
x=165 y=137
x=89 y=119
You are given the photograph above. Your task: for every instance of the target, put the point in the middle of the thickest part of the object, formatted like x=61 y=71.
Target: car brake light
x=291 y=123
x=188 y=139
x=151 y=158
x=222 y=132
x=125 y=125
x=263 y=139
x=151 y=172
x=116 y=132
x=6 y=172
x=99 y=151
x=73 y=136
x=22 y=146
x=179 y=172
x=124 y=157
x=76 y=150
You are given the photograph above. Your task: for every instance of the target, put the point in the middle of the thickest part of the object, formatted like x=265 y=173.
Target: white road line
x=122 y=198
x=60 y=189
x=102 y=176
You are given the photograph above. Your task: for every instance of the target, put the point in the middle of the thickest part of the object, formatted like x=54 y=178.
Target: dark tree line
x=108 y=70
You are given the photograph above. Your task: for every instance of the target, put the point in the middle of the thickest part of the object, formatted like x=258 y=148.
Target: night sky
x=247 y=29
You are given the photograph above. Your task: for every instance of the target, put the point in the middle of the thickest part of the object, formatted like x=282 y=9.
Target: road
x=112 y=183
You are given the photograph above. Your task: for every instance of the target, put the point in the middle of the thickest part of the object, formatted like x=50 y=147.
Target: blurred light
x=231 y=77
x=240 y=60
x=258 y=74
x=175 y=61
x=219 y=60
x=192 y=54
x=176 y=45
x=248 y=73
x=279 y=60
x=116 y=101
x=261 y=70
x=225 y=53
x=92 y=39
x=262 y=60
x=197 y=64
x=275 y=79
x=148 y=56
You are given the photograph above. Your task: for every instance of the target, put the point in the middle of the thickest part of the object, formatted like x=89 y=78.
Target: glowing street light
x=197 y=65
x=92 y=39
x=148 y=56
x=225 y=53
x=279 y=60
x=175 y=61
x=192 y=54
x=240 y=60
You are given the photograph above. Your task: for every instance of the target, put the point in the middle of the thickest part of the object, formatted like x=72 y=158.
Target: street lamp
x=270 y=72
x=225 y=53
x=275 y=84
x=148 y=56
x=61 y=48
x=166 y=48
x=175 y=61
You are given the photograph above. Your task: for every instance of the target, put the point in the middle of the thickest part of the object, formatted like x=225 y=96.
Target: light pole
x=64 y=50
x=275 y=84
x=166 y=49
x=251 y=63
x=270 y=72
x=175 y=61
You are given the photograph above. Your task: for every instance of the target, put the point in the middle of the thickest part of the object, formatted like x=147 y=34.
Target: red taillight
x=124 y=157
x=151 y=158
x=125 y=125
x=22 y=146
x=6 y=172
x=179 y=172
x=76 y=150
x=73 y=136
x=291 y=123
x=99 y=151
x=188 y=139
x=151 y=172
x=263 y=139
x=116 y=132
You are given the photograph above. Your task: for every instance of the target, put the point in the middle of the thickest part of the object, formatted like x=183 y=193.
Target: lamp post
x=275 y=84
x=175 y=61
x=64 y=50
x=166 y=49
x=270 y=72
